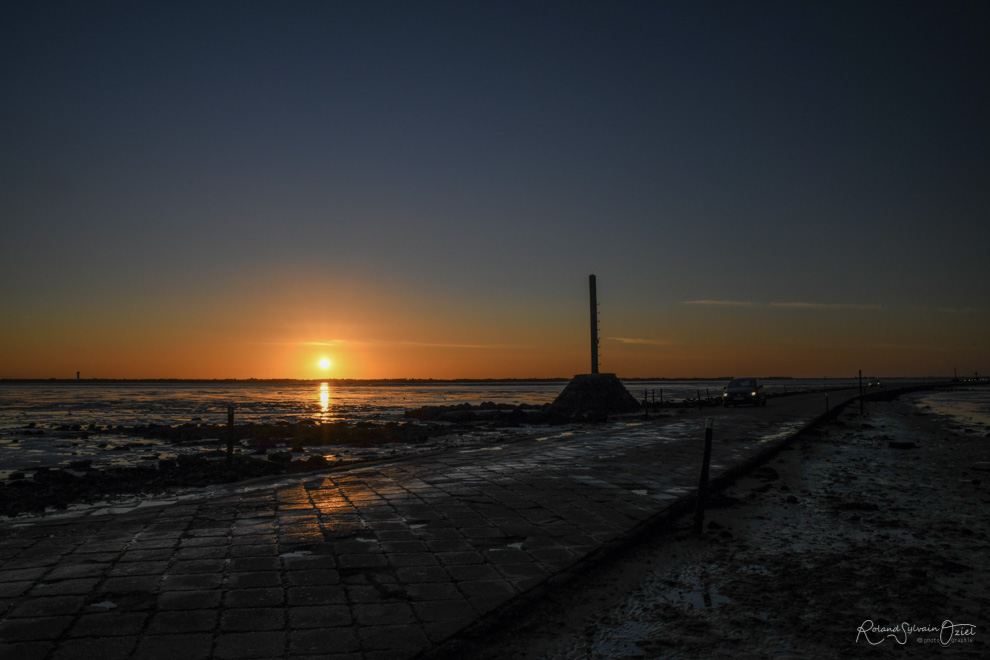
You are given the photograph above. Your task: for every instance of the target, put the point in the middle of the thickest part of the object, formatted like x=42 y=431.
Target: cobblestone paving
x=381 y=561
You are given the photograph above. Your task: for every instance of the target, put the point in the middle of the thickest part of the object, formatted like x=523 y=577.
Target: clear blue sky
x=422 y=188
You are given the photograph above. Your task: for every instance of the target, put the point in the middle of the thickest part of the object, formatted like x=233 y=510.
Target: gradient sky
x=421 y=189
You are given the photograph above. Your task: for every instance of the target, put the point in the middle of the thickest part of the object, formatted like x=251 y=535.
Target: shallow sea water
x=967 y=406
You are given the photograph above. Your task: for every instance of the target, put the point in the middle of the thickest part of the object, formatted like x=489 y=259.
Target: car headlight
x=754 y=393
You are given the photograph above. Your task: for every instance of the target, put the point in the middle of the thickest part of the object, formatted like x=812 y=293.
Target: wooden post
x=230 y=438
x=860 y=391
x=699 y=511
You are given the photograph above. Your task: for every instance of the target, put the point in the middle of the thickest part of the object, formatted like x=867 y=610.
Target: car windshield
x=742 y=382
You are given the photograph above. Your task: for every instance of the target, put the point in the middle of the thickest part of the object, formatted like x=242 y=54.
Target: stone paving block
x=211 y=552
x=202 y=542
x=308 y=562
x=354 y=546
x=25 y=650
x=252 y=549
x=254 y=564
x=143 y=583
x=382 y=614
x=197 y=646
x=33 y=629
x=14 y=589
x=413 y=574
x=459 y=558
x=316 y=595
x=311 y=577
x=362 y=561
x=146 y=543
x=412 y=559
x=130 y=569
x=397 y=535
x=208 y=531
x=117 y=545
x=437 y=533
x=24 y=574
x=78 y=570
x=319 y=616
x=324 y=642
x=262 y=597
x=253 y=619
x=403 y=546
x=444 y=610
x=154 y=532
x=387 y=525
x=182 y=622
x=192 y=582
x=108 y=625
x=254 y=579
x=393 y=638
x=472 y=572
x=183 y=567
x=156 y=554
x=135 y=601
x=431 y=591
x=189 y=600
x=233 y=646
x=64 y=587
x=104 y=649
x=50 y=606
x=507 y=556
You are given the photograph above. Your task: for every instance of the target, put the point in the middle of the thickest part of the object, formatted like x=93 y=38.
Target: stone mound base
x=598 y=394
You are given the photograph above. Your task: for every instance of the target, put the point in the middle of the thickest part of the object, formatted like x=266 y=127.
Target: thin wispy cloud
x=443 y=345
x=634 y=340
x=831 y=306
x=331 y=342
x=385 y=342
x=792 y=305
x=720 y=303
x=809 y=305
x=877 y=346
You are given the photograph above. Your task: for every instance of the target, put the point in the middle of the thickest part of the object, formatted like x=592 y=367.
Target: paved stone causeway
x=382 y=561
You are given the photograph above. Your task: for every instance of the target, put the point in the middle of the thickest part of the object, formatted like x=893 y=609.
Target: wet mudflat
x=875 y=522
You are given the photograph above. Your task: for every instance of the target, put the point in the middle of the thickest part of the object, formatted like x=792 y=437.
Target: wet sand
x=875 y=522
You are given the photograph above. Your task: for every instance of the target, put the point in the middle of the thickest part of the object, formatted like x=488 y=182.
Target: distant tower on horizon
x=593 y=290
x=77 y=375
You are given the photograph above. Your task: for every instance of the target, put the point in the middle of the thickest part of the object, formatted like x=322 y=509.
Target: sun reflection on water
x=324 y=399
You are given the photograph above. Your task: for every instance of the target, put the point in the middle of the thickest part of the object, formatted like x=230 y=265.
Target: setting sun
x=324 y=363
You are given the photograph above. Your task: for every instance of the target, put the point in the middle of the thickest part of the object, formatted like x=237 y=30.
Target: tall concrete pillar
x=594 y=324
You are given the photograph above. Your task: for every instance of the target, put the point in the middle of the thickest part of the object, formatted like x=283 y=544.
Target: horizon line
x=428 y=380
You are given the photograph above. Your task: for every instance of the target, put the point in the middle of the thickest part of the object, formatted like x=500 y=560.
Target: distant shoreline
x=343 y=381
x=395 y=381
